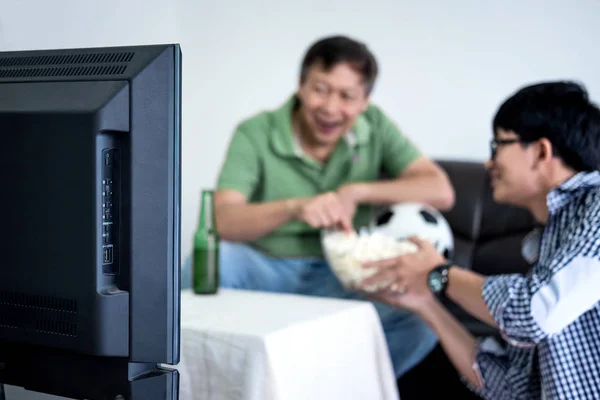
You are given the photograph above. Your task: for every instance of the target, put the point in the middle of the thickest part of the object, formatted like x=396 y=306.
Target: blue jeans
x=241 y=266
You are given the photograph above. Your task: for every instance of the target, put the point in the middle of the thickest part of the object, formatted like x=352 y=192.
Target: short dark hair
x=333 y=50
x=561 y=112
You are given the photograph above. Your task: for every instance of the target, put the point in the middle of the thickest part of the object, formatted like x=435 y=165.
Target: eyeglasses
x=495 y=143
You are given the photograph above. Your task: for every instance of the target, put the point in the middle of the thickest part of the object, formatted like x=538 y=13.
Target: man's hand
x=326 y=211
x=407 y=275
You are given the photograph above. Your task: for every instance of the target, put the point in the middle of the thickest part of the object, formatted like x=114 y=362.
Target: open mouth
x=328 y=126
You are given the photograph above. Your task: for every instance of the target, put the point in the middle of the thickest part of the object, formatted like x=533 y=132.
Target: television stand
x=77 y=376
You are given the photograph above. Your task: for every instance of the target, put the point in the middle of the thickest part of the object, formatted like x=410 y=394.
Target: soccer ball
x=403 y=220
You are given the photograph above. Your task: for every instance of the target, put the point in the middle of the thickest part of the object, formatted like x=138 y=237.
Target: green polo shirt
x=264 y=163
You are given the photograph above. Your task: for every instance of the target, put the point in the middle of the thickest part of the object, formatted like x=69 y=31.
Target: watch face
x=435 y=281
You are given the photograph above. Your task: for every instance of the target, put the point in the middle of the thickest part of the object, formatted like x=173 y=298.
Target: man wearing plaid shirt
x=545 y=157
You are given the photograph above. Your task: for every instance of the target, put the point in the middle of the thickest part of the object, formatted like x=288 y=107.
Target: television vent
x=94 y=64
x=61 y=71
x=41 y=314
x=67 y=59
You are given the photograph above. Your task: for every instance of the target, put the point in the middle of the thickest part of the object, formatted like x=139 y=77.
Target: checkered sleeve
x=529 y=308
x=500 y=371
x=490 y=367
x=508 y=298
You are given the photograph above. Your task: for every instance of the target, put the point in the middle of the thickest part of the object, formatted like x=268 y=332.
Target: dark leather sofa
x=487 y=239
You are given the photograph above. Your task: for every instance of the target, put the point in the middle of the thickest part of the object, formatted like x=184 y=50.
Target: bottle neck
x=206 y=222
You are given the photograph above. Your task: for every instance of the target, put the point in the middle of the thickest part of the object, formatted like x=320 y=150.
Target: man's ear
x=544 y=151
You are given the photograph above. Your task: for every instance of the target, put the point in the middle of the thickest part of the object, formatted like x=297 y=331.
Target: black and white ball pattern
x=403 y=220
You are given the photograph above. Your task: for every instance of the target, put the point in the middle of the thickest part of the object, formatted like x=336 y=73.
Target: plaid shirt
x=550 y=318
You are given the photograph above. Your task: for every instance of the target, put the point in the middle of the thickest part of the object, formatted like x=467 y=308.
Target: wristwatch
x=438 y=279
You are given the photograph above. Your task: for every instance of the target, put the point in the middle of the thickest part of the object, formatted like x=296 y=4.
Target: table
x=249 y=345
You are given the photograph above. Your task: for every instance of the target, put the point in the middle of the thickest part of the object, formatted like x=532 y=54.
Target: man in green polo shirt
x=316 y=163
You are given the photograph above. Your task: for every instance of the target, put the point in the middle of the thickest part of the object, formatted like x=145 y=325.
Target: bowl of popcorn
x=347 y=251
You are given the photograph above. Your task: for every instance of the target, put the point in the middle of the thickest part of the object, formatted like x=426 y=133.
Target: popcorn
x=346 y=252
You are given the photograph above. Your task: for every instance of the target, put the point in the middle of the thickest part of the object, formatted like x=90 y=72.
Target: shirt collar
x=350 y=138
x=563 y=194
x=530 y=246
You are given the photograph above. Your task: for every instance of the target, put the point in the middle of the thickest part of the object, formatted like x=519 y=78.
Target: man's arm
x=414 y=177
x=421 y=181
x=236 y=220
x=240 y=174
x=465 y=288
x=482 y=365
x=458 y=344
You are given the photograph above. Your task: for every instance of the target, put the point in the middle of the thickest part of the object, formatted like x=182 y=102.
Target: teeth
x=328 y=123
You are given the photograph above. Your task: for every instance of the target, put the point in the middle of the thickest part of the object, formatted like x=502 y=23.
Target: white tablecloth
x=250 y=345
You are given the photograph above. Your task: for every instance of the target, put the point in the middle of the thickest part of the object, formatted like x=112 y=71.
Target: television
x=90 y=256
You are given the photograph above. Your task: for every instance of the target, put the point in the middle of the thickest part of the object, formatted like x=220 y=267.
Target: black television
x=90 y=255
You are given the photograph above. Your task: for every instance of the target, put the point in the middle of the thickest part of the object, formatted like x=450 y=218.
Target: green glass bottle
x=206 y=249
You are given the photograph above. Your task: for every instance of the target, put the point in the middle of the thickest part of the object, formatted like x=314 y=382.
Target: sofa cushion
x=468 y=181
x=501 y=255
